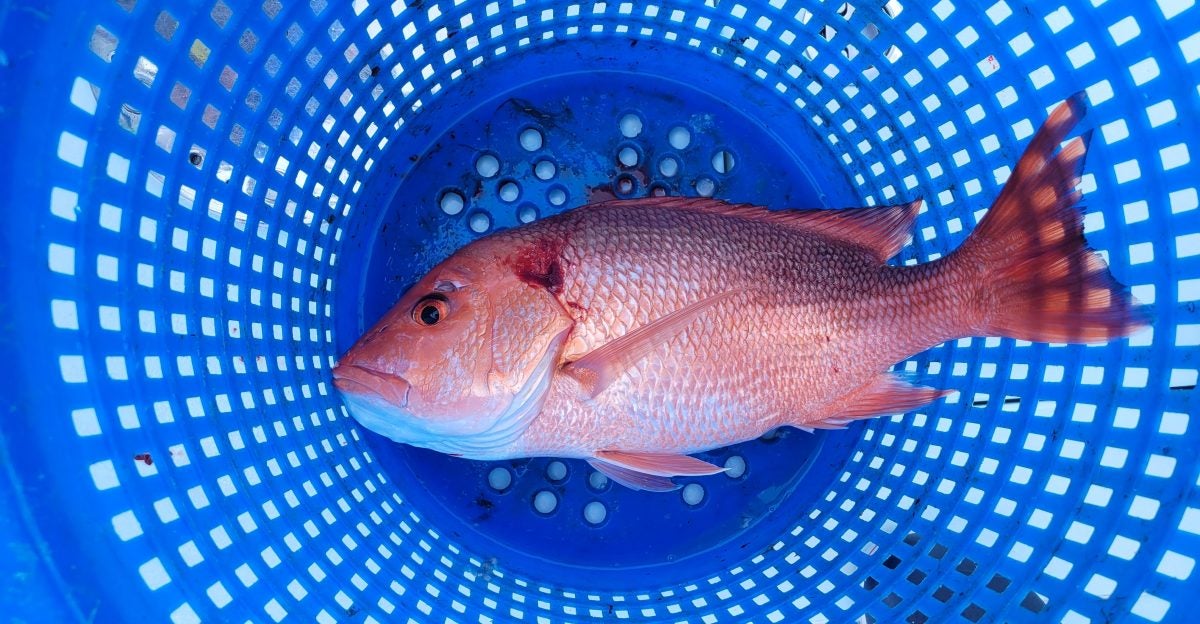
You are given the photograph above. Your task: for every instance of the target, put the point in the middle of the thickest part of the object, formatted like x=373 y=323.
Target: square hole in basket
x=998 y=583
x=943 y=593
x=892 y=562
x=1033 y=602
x=916 y=617
x=248 y=41
x=221 y=13
x=891 y=600
x=973 y=612
x=103 y=44
x=145 y=70
x=180 y=94
x=966 y=567
x=165 y=139
x=129 y=118
x=165 y=25
x=196 y=156
x=228 y=78
x=916 y=577
x=199 y=53
x=211 y=115
x=294 y=33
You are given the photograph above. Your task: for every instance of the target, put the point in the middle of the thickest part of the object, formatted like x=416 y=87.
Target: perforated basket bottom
x=535 y=150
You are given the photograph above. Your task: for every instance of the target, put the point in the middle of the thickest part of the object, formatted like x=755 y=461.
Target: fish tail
x=1040 y=282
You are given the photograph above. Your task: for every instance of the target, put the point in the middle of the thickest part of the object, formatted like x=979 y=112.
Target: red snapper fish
x=632 y=333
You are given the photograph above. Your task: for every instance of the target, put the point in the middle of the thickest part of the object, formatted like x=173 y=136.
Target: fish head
x=463 y=361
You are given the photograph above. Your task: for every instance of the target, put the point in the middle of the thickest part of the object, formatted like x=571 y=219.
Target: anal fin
x=886 y=394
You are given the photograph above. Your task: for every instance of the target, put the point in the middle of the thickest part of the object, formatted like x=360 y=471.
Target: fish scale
x=747 y=366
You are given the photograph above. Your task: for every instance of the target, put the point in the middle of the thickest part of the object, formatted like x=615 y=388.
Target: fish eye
x=430 y=310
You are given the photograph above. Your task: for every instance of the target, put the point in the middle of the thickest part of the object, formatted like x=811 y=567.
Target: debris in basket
x=710 y=323
x=144 y=458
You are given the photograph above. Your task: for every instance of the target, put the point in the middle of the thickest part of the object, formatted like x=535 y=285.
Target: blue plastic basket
x=207 y=203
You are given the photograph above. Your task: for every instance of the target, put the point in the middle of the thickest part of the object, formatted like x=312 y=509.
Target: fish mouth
x=354 y=379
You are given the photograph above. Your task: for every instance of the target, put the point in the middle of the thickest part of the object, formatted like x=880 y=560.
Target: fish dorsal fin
x=600 y=367
x=882 y=229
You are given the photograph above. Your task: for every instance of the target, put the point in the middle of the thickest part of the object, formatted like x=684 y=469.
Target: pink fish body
x=632 y=333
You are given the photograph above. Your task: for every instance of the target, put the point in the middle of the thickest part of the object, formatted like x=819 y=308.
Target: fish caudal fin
x=1043 y=283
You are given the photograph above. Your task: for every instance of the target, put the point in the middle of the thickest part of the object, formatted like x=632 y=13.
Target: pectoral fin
x=596 y=370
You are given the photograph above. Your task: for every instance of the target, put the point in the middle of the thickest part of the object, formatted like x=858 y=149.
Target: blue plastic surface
x=207 y=203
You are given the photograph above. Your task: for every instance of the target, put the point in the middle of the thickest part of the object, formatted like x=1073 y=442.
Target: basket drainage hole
x=487 y=165
x=480 y=222
x=545 y=502
x=625 y=185
x=693 y=494
x=499 y=479
x=679 y=137
x=597 y=481
x=544 y=169
x=668 y=166
x=557 y=196
x=705 y=187
x=628 y=157
x=527 y=213
x=531 y=139
x=631 y=125
x=510 y=191
x=735 y=467
x=556 y=471
x=594 y=512
x=722 y=162
x=452 y=202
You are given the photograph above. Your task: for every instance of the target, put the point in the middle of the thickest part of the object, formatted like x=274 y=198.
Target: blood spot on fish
x=578 y=312
x=539 y=265
x=144 y=458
